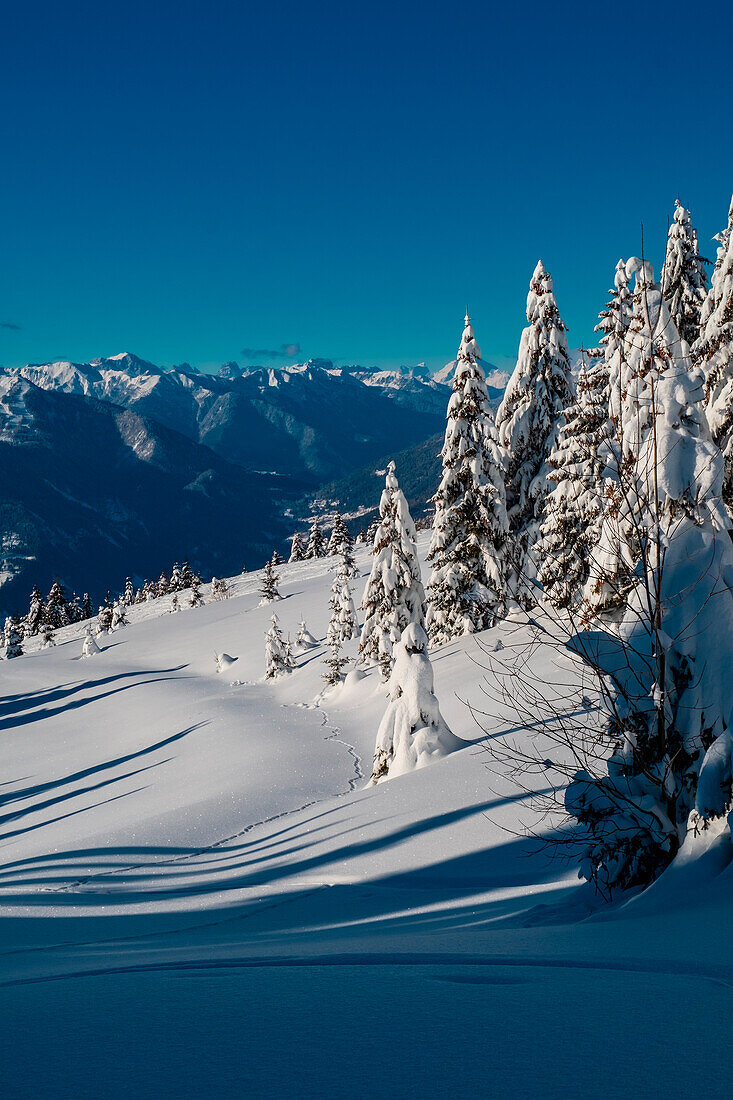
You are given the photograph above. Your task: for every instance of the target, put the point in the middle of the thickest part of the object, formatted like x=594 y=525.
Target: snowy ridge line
x=353 y=782
x=722 y=976
x=240 y=585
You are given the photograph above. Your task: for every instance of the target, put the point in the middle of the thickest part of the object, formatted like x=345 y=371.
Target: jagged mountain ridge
x=311 y=420
x=93 y=491
x=92 y=449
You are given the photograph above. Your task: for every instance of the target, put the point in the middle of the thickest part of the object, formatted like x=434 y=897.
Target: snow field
x=199 y=893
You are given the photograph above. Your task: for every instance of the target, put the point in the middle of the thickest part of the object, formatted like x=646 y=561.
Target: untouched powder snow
x=201 y=897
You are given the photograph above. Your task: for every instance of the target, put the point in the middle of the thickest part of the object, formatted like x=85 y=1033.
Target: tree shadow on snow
x=133 y=876
x=17 y=713
x=30 y=795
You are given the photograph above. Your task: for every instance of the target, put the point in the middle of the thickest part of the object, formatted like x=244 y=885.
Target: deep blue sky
x=189 y=180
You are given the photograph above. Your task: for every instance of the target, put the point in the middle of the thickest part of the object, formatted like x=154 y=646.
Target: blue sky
x=188 y=181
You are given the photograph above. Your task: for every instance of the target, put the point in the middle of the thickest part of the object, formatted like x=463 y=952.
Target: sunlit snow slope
x=199 y=896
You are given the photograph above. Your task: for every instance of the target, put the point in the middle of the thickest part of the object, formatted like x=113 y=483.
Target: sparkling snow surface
x=200 y=897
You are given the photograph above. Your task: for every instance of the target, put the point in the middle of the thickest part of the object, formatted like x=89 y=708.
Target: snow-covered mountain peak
x=496 y=379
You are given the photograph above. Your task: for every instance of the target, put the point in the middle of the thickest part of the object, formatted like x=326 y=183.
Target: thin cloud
x=10 y=325
x=285 y=351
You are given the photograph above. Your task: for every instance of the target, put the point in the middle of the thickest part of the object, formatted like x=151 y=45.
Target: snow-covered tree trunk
x=413 y=732
x=467 y=590
x=539 y=390
x=394 y=595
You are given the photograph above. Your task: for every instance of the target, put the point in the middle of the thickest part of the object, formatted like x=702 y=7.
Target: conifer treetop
x=684 y=279
x=468 y=348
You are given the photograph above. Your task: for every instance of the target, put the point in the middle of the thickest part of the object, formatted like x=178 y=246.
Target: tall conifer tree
x=539 y=390
x=394 y=595
x=468 y=584
x=684 y=278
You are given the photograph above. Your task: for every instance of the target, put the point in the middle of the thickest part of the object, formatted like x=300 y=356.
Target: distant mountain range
x=118 y=466
x=310 y=420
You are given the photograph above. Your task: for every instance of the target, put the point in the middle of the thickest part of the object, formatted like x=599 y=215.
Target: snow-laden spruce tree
x=304 y=639
x=613 y=323
x=339 y=535
x=574 y=507
x=334 y=662
x=90 y=646
x=34 y=618
x=607 y=579
x=412 y=732
x=195 y=599
x=104 y=619
x=268 y=584
x=219 y=589
x=640 y=346
x=13 y=644
x=684 y=278
x=538 y=391
x=343 y=612
x=119 y=613
x=48 y=636
x=56 y=609
x=394 y=595
x=129 y=594
x=86 y=606
x=316 y=541
x=75 y=610
x=175 y=584
x=467 y=590
x=162 y=588
x=643 y=745
x=276 y=655
x=667 y=688
x=298 y=550
x=342 y=543
x=713 y=352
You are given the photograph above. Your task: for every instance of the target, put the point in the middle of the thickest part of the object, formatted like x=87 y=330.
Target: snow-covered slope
x=200 y=896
